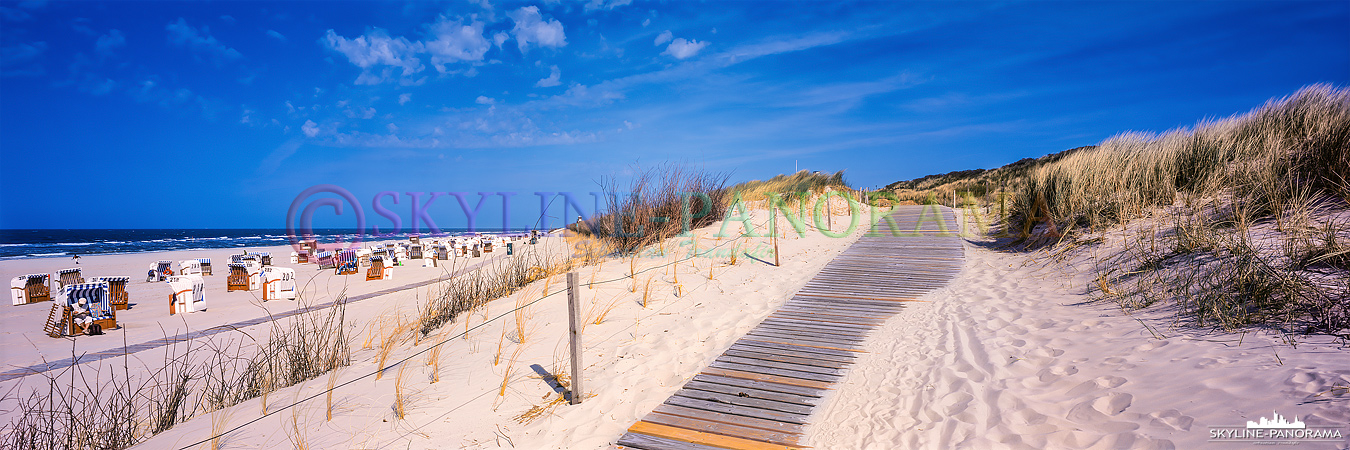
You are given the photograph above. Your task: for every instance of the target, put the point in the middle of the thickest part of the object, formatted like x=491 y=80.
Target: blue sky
x=218 y=114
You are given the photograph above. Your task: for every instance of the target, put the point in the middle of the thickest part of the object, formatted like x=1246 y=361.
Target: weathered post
x=574 y=333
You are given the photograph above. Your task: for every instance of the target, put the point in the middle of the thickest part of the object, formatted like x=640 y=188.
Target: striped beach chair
x=159 y=270
x=189 y=294
x=263 y=257
x=205 y=265
x=415 y=251
x=326 y=260
x=442 y=252
x=278 y=283
x=347 y=264
x=237 y=280
x=117 y=291
x=376 y=270
x=68 y=277
x=190 y=267
x=99 y=310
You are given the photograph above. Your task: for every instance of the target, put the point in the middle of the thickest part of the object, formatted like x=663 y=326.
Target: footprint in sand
x=1151 y=346
x=1113 y=403
x=1172 y=419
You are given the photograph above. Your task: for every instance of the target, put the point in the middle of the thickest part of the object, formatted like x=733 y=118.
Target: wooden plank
x=782 y=319
x=788 y=349
x=767 y=377
x=847 y=336
x=745 y=421
x=761 y=385
x=737 y=410
x=780 y=365
x=745 y=392
x=798 y=343
x=759 y=334
x=786 y=359
x=816 y=326
x=700 y=438
x=776 y=371
x=722 y=428
x=749 y=402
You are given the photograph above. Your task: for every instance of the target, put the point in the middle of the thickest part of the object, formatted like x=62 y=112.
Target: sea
x=17 y=243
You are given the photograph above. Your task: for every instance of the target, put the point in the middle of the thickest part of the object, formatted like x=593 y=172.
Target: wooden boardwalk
x=760 y=393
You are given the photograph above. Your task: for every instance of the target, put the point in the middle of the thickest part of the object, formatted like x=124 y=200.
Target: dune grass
x=658 y=203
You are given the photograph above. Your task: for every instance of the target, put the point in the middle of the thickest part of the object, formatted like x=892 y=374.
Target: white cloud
x=275 y=34
x=455 y=42
x=310 y=128
x=109 y=42
x=500 y=38
x=530 y=27
x=484 y=100
x=681 y=49
x=185 y=35
x=552 y=79
x=664 y=37
x=377 y=49
x=404 y=98
x=646 y=22
x=392 y=128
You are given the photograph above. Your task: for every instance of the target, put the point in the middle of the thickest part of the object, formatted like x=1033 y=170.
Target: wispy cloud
x=201 y=41
x=551 y=80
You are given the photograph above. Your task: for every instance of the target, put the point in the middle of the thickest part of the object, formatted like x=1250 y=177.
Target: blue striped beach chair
x=206 y=265
x=96 y=311
x=117 y=290
x=263 y=257
x=347 y=263
x=415 y=251
x=326 y=260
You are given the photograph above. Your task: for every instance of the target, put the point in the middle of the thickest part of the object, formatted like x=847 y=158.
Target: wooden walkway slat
x=760 y=393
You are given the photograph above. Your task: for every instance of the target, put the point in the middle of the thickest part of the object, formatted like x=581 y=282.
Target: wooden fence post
x=574 y=333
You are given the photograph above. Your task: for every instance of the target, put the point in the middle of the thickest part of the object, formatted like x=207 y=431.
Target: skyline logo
x=1277 y=430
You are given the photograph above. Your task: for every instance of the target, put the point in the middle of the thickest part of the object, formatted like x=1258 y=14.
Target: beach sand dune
x=1010 y=356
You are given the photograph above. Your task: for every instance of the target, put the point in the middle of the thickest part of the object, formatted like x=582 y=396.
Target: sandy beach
x=1010 y=355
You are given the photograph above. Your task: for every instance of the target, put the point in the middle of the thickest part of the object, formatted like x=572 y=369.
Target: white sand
x=1009 y=357
x=1006 y=357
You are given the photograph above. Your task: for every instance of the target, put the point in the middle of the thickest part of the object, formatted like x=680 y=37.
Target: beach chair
x=190 y=267
x=363 y=257
x=237 y=280
x=414 y=240
x=117 y=291
x=16 y=290
x=35 y=287
x=100 y=311
x=377 y=269
x=442 y=252
x=189 y=294
x=159 y=270
x=205 y=265
x=278 y=283
x=327 y=260
x=415 y=251
x=347 y=264
x=487 y=246
x=400 y=253
x=263 y=257
x=68 y=277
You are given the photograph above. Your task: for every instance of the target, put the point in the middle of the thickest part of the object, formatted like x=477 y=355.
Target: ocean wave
x=47 y=254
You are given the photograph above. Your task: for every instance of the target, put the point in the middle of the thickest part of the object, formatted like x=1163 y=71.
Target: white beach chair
x=278 y=283
x=205 y=265
x=189 y=294
x=159 y=270
x=190 y=267
x=31 y=288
